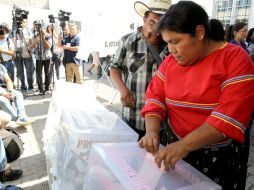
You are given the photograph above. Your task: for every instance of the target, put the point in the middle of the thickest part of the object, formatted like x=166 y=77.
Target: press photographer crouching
x=6 y=50
x=42 y=45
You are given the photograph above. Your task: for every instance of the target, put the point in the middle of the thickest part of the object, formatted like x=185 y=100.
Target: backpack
x=12 y=143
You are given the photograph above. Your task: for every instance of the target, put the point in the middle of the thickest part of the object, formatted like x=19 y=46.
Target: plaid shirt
x=137 y=64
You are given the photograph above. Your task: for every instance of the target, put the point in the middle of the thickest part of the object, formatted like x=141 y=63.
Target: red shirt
x=218 y=90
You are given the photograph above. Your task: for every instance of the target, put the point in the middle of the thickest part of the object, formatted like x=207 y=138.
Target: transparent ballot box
x=75 y=121
x=125 y=166
x=77 y=131
x=65 y=96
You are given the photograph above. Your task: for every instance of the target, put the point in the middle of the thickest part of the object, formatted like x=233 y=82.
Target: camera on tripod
x=38 y=25
x=18 y=16
x=63 y=16
x=51 y=19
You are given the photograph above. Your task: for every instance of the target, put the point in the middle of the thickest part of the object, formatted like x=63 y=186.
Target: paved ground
x=33 y=161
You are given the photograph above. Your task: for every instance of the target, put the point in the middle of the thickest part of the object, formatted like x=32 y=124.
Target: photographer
x=42 y=45
x=70 y=45
x=25 y=61
x=56 y=51
x=6 y=50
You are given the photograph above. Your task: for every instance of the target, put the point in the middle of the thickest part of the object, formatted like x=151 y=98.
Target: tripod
x=23 y=58
x=52 y=65
x=39 y=63
x=18 y=55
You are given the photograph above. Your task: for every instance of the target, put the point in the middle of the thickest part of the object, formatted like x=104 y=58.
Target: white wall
x=102 y=21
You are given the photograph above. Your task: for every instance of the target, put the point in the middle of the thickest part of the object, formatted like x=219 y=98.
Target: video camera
x=18 y=16
x=63 y=16
x=51 y=19
x=38 y=25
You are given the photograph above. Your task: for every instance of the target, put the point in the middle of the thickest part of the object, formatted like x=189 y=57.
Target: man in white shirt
x=6 y=50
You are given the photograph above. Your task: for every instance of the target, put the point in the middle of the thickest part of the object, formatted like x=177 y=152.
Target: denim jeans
x=9 y=65
x=3 y=159
x=26 y=63
x=15 y=110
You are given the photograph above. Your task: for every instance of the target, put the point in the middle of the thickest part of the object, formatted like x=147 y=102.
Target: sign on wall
x=42 y=4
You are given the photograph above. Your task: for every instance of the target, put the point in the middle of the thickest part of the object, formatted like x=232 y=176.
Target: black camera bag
x=12 y=143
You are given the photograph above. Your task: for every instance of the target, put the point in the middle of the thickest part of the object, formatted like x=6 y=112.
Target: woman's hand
x=150 y=142
x=171 y=154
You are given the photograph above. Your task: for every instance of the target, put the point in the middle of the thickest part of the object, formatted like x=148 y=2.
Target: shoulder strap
x=154 y=53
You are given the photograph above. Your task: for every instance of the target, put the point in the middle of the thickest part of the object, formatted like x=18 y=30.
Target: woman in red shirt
x=205 y=89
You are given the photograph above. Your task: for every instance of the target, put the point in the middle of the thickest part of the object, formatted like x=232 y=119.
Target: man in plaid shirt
x=138 y=58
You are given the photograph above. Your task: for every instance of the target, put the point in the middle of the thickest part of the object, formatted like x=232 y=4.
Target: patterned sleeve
x=155 y=95
x=236 y=102
x=118 y=61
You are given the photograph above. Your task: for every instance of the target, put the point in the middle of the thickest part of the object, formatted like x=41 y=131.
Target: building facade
x=233 y=11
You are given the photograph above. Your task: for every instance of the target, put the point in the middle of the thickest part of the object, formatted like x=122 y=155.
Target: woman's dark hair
x=185 y=16
x=234 y=28
x=216 y=30
x=248 y=38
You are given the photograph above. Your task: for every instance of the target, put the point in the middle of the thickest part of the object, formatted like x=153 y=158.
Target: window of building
x=242 y=14
x=224 y=11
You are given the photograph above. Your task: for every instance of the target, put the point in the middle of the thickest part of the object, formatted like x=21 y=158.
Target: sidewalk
x=33 y=161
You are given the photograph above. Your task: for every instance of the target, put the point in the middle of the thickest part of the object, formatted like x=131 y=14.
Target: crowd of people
x=29 y=55
x=24 y=55
x=184 y=81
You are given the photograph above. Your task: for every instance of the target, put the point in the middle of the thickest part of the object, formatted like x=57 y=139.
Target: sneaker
x=24 y=121
x=10 y=175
